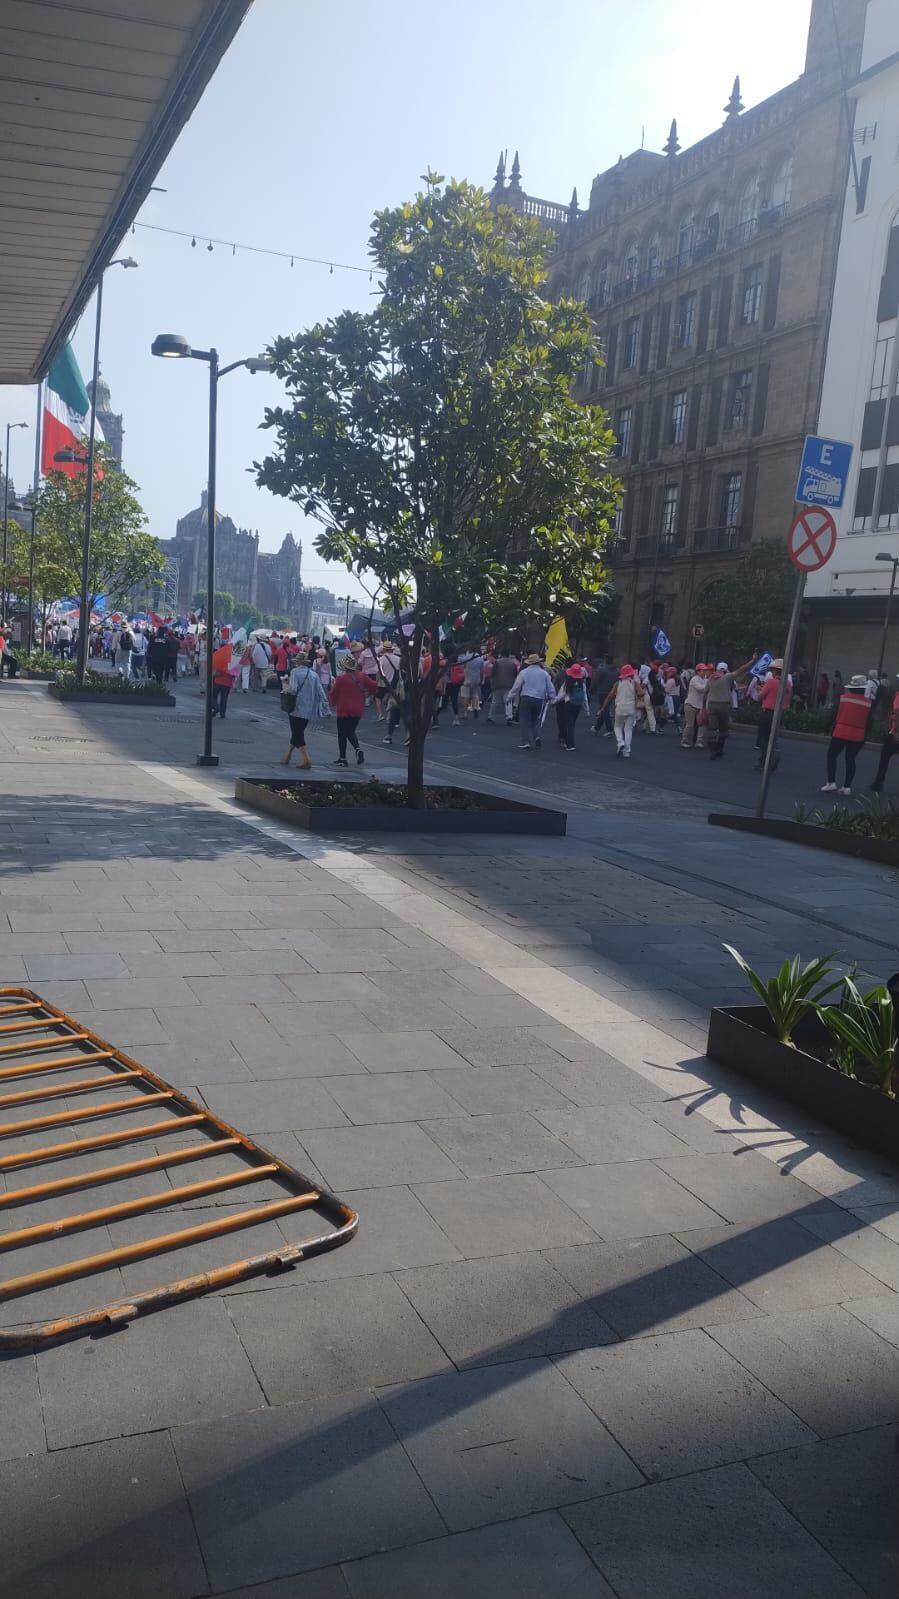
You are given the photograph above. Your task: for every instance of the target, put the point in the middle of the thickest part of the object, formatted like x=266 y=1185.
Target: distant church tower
x=109 y=420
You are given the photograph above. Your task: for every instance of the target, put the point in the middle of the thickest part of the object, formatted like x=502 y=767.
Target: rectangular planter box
x=737 y=1038
x=88 y=697
x=496 y=816
x=35 y=676
x=884 y=850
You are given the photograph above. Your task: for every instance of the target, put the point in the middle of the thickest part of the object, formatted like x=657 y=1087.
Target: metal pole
x=35 y=491
x=886 y=619
x=781 y=692
x=31 y=587
x=207 y=758
x=84 y=626
x=5 y=518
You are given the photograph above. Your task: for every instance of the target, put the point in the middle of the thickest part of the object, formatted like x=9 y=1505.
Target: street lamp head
x=11 y=425
x=125 y=261
x=884 y=557
x=259 y=363
x=171 y=344
x=67 y=456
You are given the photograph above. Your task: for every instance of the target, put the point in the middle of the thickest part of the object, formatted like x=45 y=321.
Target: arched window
x=599 y=282
x=582 y=291
x=750 y=199
x=780 y=187
x=686 y=230
x=654 y=258
x=631 y=260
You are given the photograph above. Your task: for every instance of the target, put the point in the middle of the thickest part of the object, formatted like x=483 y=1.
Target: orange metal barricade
x=29 y=1024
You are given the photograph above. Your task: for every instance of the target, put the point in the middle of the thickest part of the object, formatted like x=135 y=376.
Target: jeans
x=123 y=664
x=719 y=725
x=395 y=715
x=624 y=730
x=568 y=715
x=763 y=735
x=530 y=711
x=298 y=725
x=604 y=719
x=890 y=746
x=220 y=692
x=346 y=734
x=851 y=749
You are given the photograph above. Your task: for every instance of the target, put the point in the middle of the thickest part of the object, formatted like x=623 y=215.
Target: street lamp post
x=30 y=511
x=889 y=606
x=175 y=346
x=9 y=428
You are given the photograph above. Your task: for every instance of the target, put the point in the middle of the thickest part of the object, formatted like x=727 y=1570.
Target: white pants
x=624 y=731
x=245 y=677
x=123 y=663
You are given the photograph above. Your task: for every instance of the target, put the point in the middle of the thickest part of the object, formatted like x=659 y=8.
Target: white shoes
x=844 y=791
x=829 y=788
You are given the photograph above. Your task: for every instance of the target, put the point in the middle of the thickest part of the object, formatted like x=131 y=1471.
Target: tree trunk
x=415 y=769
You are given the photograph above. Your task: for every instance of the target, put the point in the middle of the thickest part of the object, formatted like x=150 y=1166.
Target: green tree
x=123 y=555
x=751 y=609
x=436 y=437
x=223 y=604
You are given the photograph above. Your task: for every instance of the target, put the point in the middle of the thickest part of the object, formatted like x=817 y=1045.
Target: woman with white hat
x=849 y=732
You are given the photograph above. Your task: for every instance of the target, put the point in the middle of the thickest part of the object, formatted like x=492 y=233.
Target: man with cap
x=890 y=744
x=718 y=703
x=533 y=687
x=767 y=699
x=849 y=729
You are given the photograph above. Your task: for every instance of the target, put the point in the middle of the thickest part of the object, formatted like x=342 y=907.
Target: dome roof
x=104 y=398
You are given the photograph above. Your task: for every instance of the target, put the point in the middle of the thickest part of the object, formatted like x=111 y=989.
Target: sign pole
x=781 y=693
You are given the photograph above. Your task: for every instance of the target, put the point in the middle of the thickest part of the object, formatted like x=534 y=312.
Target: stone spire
x=499 y=181
x=672 y=145
x=515 y=175
x=573 y=207
x=735 y=104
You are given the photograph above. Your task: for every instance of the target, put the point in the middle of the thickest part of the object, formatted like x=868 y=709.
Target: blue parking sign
x=824 y=471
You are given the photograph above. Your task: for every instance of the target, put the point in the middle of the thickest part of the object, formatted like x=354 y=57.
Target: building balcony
x=770 y=217
x=715 y=540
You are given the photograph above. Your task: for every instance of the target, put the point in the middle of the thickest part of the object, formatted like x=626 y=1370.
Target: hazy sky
x=326 y=110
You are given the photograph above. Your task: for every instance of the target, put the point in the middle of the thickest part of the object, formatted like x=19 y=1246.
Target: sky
x=324 y=111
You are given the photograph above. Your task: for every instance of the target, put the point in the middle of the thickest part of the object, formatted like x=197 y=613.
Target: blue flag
x=661 y=643
x=760 y=667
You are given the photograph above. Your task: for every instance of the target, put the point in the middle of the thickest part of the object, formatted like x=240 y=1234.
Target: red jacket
x=853 y=711
x=347 y=693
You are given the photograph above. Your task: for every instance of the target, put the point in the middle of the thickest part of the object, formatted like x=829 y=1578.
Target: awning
x=93 y=94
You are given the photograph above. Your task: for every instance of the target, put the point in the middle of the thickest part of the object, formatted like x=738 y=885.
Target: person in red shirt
x=767 y=699
x=225 y=665
x=849 y=730
x=346 y=697
x=890 y=743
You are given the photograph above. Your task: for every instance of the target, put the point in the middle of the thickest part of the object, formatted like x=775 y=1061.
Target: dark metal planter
x=88 y=696
x=884 y=850
x=739 y=1037
x=493 y=815
x=31 y=674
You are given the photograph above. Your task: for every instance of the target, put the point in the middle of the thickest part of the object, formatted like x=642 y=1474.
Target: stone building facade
x=109 y=420
x=279 y=584
x=709 y=272
x=236 y=556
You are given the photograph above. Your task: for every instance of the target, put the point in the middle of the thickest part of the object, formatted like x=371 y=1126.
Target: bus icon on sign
x=823 y=472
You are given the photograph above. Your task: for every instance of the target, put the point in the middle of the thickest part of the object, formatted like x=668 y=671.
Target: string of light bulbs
x=253 y=249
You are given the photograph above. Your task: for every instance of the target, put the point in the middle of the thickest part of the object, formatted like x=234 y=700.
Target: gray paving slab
x=188 y=963
x=274 y=1105
x=691 y=1126
x=186 y=1259
x=186 y=1364
x=881 y=1314
x=120 y=1524
x=127 y=993
x=532 y=1558
x=124 y=1027
x=653 y=1394
x=773 y=1264
x=393 y=1097
x=629 y=1199
x=298 y=1020
x=22 y=1432
x=322 y=1584
x=845 y=1492
x=649 y=1285
x=499 y=1046
x=866 y=1246
x=415 y=1050
x=300 y=1487
x=505 y=1440
x=715 y=1533
x=605 y=1133
x=333 y=986
x=830 y=1367
x=743 y=1186
x=599 y=1080
x=502 y=1215
x=487 y=1146
x=512 y=1307
x=395 y=1233
x=324 y=1055
x=182 y=1067
x=65 y=1298
x=378 y=1156
x=92 y=964
x=484 y=1089
x=327 y=1338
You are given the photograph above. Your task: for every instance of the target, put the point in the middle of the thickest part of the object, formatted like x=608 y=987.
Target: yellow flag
x=556 y=643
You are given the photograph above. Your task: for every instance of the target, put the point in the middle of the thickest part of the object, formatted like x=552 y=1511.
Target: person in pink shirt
x=767 y=699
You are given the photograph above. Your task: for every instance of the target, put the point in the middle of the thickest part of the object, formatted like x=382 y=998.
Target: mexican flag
x=66 y=414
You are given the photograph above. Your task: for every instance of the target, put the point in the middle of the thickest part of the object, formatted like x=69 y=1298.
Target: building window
x=653 y=259
x=861 y=188
x=781 y=186
x=731 y=499
x=685 y=241
x=631 y=261
x=630 y=342
x=685 y=326
x=749 y=204
x=599 y=283
x=740 y=395
x=752 y=295
x=678 y=417
x=624 y=429
x=670 y=500
x=880 y=377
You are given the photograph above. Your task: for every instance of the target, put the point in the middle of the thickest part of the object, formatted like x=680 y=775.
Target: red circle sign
x=812 y=539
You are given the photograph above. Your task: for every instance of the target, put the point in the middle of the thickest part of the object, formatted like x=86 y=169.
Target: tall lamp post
x=889 y=606
x=9 y=428
x=175 y=346
x=29 y=510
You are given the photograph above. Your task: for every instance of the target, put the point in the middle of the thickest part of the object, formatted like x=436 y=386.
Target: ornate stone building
x=709 y=272
x=236 y=556
x=109 y=420
x=279 y=584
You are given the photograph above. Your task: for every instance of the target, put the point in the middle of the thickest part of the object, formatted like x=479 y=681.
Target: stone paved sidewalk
x=614 y=1324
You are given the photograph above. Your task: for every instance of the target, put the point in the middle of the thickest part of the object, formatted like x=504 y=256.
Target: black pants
x=298 y=725
x=10 y=662
x=158 y=674
x=346 y=734
x=396 y=714
x=220 y=692
x=451 y=697
x=833 y=751
x=566 y=716
x=890 y=746
x=763 y=735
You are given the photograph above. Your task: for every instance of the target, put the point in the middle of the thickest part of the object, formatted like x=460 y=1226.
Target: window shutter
x=646 y=341
x=888 y=304
x=655 y=425
x=725 y=295
x=864 y=496
x=893 y=421
x=872 y=426
x=711 y=426
x=772 y=290
x=637 y=433
x=705 y=311
x=693 y=417
x=761 y=400
x=889 y=494
x=664 y=329
x=611 y=351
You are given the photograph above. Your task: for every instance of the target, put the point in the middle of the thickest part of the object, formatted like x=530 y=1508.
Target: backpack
x=126 y=641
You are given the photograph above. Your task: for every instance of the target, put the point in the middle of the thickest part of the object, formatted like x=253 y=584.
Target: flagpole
x=85 y=623
x=35 y=490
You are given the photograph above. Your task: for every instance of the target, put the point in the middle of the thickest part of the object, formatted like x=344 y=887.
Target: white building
x=848 y=597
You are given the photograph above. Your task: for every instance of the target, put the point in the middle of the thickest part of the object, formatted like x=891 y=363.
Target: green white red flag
x=66 y=414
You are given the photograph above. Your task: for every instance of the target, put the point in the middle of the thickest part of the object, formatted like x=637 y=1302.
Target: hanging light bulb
x=234 y=249
x=193 y=244
x=332 y=269
x=291 y=260
x=209 y=246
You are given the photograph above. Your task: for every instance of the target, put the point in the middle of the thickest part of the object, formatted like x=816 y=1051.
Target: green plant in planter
x=866 y=1025
x=793 y=992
